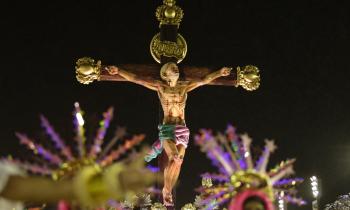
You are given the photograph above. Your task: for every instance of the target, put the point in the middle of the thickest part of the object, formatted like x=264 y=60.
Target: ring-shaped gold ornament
x=176 y=49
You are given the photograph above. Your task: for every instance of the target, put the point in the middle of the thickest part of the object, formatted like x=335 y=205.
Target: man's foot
x=167 y=198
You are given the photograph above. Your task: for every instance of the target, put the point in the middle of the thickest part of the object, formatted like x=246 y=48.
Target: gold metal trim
x=176 y=49
x=169 y=13
x=87 y=70
x=251 y=179
x=248 y=77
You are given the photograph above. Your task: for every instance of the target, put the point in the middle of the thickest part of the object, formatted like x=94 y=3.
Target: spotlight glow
x=79 y=119
x=314 y=186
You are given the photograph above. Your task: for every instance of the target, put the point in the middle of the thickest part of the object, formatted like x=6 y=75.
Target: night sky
x=301 y=48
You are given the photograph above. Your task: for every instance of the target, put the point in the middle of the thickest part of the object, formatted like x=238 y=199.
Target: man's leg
x=178 y=162
x=170 y=171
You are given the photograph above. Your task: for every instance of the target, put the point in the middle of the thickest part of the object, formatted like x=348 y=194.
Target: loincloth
x=177 y=133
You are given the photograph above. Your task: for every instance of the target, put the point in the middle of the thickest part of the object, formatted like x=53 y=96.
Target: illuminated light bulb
x=79 y=119
x=314 y=186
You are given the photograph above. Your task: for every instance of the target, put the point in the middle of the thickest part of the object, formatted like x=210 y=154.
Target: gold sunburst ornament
x=238 y=176
x=85 y=162
x=251 y=179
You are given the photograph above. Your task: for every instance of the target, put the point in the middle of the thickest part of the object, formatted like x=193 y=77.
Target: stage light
x=315 y=192
x=314 y=186
x=281 y=203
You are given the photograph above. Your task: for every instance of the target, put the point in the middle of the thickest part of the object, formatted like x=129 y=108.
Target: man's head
x=170 y=73
x=254 y=203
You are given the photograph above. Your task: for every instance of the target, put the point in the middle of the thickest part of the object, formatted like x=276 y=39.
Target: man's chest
x=173 y=94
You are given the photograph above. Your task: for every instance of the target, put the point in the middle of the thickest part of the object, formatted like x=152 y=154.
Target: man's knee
x=178 y=160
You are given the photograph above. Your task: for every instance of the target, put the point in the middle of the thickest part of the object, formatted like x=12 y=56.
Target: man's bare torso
x=173 y=100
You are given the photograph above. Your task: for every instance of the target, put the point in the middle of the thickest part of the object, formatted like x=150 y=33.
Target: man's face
x=253 y=205
x=172 y=72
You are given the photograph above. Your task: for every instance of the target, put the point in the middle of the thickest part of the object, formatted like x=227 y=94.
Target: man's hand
x=225 y=71
x=112 y=70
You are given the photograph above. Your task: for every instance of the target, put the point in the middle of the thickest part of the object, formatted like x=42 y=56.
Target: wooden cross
x=167 y=46
x=246 y=77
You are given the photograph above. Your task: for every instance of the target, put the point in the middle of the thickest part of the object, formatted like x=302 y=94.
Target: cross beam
x=151 y=72
x=88 y=70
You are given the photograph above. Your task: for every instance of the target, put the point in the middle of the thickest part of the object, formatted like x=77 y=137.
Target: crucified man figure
x=173 y=133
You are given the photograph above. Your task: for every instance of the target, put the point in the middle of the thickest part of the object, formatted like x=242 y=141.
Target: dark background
x=301 y=47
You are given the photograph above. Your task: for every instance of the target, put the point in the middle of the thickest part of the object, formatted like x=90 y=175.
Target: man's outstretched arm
x=225 y=71
x=113 y=70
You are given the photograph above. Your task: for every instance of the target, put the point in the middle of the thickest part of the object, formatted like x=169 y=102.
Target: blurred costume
x=7 y=170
